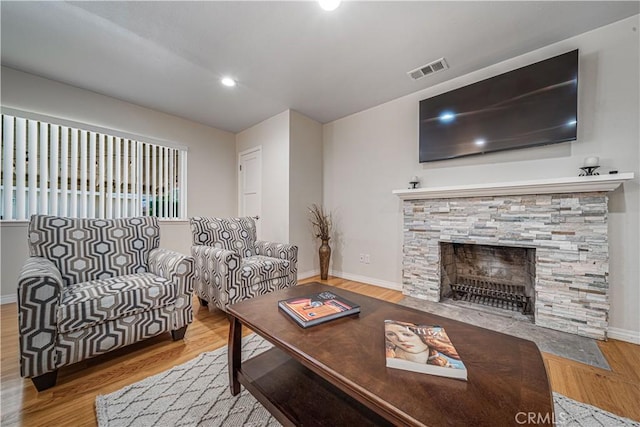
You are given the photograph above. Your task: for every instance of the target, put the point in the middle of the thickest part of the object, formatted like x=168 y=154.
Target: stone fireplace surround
x=565 y=220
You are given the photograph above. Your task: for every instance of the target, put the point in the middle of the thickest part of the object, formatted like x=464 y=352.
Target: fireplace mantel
x=578 y=184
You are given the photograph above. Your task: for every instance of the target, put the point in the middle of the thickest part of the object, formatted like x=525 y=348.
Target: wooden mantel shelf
x=578 y=184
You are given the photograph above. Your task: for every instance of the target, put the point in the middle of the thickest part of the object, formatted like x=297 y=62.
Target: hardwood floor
x=71 y=402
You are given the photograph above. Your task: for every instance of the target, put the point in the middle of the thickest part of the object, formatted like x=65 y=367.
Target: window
x=62 y=169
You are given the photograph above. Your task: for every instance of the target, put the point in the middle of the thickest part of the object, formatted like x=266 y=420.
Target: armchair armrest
x=40 y=288
x=217 y=273
x=180 y=269
x=172 y=266
x=278 y=250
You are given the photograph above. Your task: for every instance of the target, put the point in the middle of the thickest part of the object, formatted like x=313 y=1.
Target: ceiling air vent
x=430 y=68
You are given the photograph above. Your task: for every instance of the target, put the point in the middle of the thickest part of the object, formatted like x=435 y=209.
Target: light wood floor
x=71 y=402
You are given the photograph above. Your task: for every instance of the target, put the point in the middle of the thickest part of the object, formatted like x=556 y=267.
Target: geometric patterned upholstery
x=39 y=290
x=86 y=304
x=260 y=268
x=94 y=285
x=88 y=249
x=104 y=337
x=229 y=270
x=233 y=234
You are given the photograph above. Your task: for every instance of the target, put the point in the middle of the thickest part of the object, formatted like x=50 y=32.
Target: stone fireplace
x=558 y=235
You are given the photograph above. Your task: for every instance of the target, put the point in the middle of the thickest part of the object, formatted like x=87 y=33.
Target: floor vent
x=430 y=68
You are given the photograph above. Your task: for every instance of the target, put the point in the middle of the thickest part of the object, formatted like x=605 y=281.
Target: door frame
x=241 y=154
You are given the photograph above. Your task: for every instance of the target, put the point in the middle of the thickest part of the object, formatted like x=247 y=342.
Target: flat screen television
x=531 y=106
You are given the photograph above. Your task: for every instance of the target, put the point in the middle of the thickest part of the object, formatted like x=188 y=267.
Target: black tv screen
x=531 y=106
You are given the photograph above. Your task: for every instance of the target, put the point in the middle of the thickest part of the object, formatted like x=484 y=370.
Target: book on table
x=318 y=308
x=422 y=348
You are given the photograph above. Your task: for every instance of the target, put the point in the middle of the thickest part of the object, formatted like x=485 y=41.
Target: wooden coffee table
x=334 y=374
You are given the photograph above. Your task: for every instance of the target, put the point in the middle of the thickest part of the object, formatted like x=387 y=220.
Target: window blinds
x=60 y=170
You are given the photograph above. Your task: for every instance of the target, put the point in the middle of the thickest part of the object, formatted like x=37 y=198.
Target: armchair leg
x=45 y=381
x=203 y=302
x=178 y=334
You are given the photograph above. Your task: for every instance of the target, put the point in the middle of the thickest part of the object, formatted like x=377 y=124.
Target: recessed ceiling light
x=329 y=5
x=228 y=81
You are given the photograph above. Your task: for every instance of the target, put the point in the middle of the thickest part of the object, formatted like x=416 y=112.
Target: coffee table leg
x=235 y=350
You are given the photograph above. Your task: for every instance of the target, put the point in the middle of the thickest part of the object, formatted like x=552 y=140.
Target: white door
x=250 y=184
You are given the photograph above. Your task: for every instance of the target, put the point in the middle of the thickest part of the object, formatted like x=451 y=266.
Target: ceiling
x=170 y=55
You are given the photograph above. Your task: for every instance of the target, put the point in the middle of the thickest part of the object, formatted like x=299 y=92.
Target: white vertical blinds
x=118 y=177
x=90 y=199
x=44 y=173
x=61 y=170
x=21 y=162
x=32 y=169
x=73 y=207
x=53 y=168
x=102 y=176
x=64 y=170
x=7 y=159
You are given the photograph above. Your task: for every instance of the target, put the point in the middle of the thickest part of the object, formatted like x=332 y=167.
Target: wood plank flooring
x=71 y=402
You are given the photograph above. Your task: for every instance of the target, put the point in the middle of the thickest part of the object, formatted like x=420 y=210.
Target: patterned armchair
x=231 y=265
x=94 y=285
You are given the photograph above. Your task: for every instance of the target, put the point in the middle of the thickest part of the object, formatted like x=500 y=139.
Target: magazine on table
x=422 y=348
x=318 y=308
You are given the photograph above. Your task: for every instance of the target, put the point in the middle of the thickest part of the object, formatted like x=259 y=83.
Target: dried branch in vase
x=321 y=222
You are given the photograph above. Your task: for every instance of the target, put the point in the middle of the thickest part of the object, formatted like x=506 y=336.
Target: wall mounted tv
x=531 y=106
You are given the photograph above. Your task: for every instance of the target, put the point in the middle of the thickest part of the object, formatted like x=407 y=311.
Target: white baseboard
x=368 y=280
x=307 y=274
x=8 y=299
x=354 y=277
x=624 y=335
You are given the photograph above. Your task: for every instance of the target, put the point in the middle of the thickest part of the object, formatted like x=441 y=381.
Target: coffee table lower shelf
x=297 y=396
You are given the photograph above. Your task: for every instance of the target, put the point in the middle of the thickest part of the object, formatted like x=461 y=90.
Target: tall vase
x=325 y=256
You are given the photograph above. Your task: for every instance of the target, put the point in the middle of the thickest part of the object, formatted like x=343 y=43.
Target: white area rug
x=197 y=394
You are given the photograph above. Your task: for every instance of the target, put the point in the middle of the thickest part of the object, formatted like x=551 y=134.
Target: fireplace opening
x=501 y=277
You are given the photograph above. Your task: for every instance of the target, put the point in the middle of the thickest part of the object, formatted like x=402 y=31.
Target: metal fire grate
x=481 y=290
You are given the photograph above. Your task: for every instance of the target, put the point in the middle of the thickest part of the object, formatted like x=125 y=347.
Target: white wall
x=305 y=189
x=371 y=153
x=291 y=180
x=273 y=136
x=211 y=157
